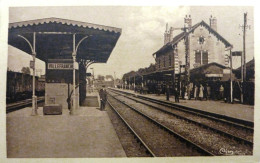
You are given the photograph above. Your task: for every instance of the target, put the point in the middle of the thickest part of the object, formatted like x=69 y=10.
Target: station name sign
x=60 y=66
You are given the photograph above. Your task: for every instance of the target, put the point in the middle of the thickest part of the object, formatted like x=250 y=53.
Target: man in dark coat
x=176 y=94
x=103 y=97
x=167 y=92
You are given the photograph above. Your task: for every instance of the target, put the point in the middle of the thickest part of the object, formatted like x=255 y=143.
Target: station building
x=206 y=46
x=208 y=58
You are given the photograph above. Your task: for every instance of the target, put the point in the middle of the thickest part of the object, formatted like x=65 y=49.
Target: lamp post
x=231 y=67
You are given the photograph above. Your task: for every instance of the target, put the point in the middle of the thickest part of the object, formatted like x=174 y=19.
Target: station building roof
x=182 y=35
x=54 y=39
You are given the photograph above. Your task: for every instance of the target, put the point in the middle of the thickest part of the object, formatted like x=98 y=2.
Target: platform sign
x=214 y=75
x=226 y=71
x=60 y=66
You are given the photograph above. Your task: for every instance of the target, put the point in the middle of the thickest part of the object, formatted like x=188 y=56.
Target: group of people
x=200 y=92
x=204 y=92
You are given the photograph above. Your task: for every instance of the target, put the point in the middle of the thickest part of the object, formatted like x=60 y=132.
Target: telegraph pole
x=187 y=61
x=244 y=46
x=243 y=56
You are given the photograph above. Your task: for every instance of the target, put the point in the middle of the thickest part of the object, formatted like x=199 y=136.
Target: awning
x=54 y=39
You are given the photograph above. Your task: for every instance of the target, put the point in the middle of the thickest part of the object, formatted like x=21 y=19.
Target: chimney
x=166 y=35
x=187 y=21
x=213 y=22
x=171 y=34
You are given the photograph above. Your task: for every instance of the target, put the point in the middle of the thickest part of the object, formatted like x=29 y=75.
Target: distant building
x=107 y=81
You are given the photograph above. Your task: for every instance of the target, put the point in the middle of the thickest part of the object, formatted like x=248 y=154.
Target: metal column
x=34 y=98
x=74 y=77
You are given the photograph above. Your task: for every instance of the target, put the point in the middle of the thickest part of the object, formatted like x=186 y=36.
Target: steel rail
x=195 y=122
x=198 y=147
x=193 y=111
x=132 y=130
x=19 y=105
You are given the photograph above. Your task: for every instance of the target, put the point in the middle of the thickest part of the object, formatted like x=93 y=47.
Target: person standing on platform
x=167 y=92
x=176 y=94
x=206 y=92
x=196 y=92
x=221 y=91
x=201 y=92
x=103 y=98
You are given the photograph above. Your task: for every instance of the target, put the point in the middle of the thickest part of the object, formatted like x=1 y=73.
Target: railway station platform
x=238 y=111
x=88 y=134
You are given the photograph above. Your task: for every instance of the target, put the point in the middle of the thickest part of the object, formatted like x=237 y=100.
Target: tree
x=26 y=70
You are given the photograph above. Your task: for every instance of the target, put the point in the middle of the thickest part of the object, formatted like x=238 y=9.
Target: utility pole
x=231 y=81
x=243 y=57
x=244 y=46
x=187 y=61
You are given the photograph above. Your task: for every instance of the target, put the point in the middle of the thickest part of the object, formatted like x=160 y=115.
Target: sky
x=142 y=30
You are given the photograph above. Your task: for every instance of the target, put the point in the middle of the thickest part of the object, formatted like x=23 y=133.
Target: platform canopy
x=54 y=39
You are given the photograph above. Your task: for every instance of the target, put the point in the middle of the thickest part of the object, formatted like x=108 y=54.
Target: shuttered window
x=205 y=58
x=198 y=57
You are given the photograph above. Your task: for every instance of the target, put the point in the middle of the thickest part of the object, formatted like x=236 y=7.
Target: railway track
x=148 y=151
x=240 y=133
x=21 y=104
x=202 y=122
x=225 y=119
x=158 y=139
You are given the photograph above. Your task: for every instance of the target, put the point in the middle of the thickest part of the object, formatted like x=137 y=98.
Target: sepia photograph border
x=4 y=20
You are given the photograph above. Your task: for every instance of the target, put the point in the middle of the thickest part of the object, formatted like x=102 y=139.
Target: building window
x=205 y=58
x=170 y=60
x=159 y=62
x=201 y=40
x=198 y=57
x=201 y=59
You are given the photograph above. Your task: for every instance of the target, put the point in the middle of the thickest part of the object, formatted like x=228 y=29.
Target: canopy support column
x=32 y=46
x=74 y=54
x=34 y=98
x=74 y=77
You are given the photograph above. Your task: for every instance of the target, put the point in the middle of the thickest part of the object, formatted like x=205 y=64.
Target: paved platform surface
x=239 y=111
x=89 y=134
